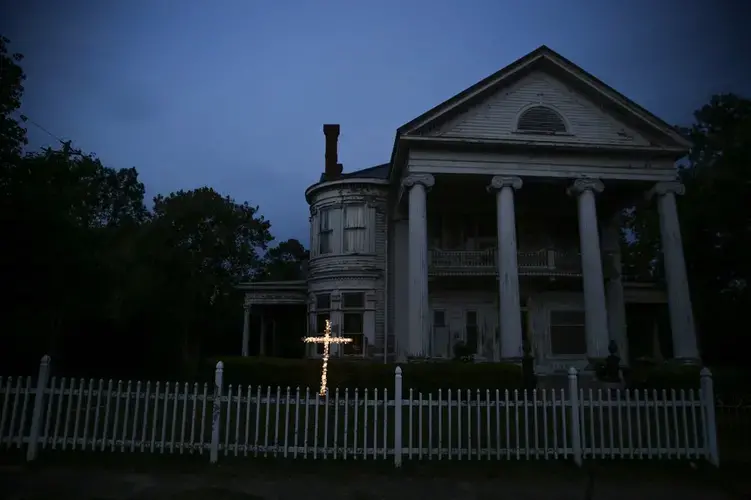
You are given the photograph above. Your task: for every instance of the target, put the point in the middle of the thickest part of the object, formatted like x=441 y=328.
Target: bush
x=362 y=374
x=669 y=375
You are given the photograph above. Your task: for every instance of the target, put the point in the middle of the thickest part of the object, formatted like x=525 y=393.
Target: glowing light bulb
x=326 y=340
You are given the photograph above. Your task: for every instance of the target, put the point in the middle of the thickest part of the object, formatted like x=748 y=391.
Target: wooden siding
x=381 y=255
x=496 y=117
x=542 y=164
x=339 y=271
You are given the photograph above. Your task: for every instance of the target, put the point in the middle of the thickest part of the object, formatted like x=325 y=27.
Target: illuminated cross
x=326 y=340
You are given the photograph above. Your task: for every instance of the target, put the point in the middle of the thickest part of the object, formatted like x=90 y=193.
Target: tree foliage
x=105 y=284
x=12 y=134
x=285 y=261
x=715 y=224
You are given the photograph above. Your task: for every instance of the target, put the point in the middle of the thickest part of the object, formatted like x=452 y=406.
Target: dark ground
x=99 y=477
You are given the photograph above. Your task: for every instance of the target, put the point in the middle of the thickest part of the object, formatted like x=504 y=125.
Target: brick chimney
x=333 y=169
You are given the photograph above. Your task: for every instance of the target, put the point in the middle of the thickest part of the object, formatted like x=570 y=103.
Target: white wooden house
x=495 y=223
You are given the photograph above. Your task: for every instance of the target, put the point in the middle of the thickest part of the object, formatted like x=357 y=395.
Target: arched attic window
x=541 y=120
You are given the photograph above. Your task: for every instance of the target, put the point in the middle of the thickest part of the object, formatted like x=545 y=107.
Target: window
x=323 y=313
x=354 y=229
x=353 y=312
x=541 y=120
x=325 y=232
x=439 y=318
x=323 y=301
x=567 y=334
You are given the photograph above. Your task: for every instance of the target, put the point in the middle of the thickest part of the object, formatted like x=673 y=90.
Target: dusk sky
x=232 y=94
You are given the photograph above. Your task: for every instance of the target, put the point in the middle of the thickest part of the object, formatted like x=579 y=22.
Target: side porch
x=274 y=318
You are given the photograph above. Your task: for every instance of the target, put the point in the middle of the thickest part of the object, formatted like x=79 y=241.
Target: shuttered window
x=541 y=120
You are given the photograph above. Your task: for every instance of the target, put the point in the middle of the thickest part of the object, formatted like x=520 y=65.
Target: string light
x=326 y=340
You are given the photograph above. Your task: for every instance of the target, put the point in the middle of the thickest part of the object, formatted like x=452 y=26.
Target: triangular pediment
x=593 y=112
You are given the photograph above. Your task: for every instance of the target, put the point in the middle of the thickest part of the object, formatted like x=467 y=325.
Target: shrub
x=669 y=375
x=422 y=377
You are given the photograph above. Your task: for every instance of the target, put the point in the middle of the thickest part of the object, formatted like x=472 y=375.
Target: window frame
x=328 y=231
x=552 y=325
x=360 y=310
x=350 y=229
x=317 y=313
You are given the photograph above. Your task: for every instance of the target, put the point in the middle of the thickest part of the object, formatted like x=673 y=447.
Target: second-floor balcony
x=544 y=262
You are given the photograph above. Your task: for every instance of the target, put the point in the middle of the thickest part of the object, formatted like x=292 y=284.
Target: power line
x=26 y=119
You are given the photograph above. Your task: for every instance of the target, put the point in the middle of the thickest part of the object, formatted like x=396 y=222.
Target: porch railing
x=484 y=262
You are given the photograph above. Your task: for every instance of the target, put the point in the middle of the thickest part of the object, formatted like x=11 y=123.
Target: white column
x=419 y=324
x=508 y=271
x=246 y=329
x=616 y=303
x=596 y=318
x=679 y=298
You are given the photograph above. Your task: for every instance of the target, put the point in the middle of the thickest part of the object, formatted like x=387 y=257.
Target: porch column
x=246 y=328
x=508 y=271
x=418 y=185
x=596 y=318
x=616 y=303
x=679 y=298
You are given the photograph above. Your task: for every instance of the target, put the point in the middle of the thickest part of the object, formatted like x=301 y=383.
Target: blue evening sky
x=232 y=93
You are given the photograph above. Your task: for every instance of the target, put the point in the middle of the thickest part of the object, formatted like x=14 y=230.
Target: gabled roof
x=542 y=58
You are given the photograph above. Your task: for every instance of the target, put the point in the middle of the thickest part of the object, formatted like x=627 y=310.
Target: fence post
x=710 y=422
x=216 y=413
x=398 y=417
x=36 y=415
x=574 y=417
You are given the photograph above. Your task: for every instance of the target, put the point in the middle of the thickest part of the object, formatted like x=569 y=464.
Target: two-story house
x=495 y=225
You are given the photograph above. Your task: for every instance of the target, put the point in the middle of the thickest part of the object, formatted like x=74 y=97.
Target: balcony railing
x=546 y=262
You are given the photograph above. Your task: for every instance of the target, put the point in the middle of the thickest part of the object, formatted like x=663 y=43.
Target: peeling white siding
x=496 y=117
x=339 y=271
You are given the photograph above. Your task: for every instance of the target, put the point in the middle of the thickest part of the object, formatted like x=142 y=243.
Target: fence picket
x=541 y=424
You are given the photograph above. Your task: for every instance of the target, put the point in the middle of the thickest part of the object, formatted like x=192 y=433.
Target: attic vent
x=541 y=120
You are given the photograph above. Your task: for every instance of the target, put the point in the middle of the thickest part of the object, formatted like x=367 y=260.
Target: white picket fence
x=181 y=418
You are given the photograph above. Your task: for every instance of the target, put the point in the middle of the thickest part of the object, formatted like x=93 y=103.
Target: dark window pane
x=321 y=323
x=472 y=338
x=353 y=300
x=439 y=319
x=324 y=246
x=568 y=340
x=355 y=347
x=320 y=329
x=323 y=301
x=353 y=323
